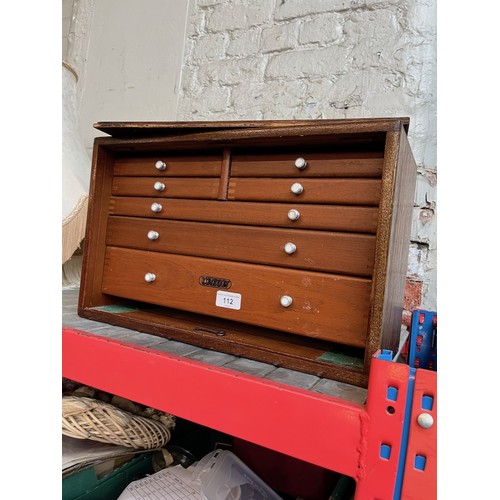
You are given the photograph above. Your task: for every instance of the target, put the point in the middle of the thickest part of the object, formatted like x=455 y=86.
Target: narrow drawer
x=169 y=166
x=171 y=187
x=321 y=217
x=305 y=165
x=318 y=305
x=344 y=253
x=337 y=191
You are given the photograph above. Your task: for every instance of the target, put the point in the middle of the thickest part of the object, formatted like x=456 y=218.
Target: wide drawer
x=321 y=217
x=169 y=166
x=335 y=191
x=344 y=253
x=316 y=165
x=172 y=187
x=323 y=306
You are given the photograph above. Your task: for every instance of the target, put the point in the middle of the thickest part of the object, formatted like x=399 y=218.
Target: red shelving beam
x=360 y=441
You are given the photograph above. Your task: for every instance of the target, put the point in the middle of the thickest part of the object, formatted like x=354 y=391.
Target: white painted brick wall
x=279 y=37
x=321 y=30
x=232 y=15
x=293 y=59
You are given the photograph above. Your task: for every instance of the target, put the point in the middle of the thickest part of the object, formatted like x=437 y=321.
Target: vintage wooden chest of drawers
x=281 y=241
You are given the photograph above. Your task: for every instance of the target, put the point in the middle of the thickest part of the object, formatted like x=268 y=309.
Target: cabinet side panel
x=404 y=194
x=393 y=238
x=95 y=237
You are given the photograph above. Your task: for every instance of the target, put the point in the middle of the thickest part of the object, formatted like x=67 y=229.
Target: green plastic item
x=85 y=485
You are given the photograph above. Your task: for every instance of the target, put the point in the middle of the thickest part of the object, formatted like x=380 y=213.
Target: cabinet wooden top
x=169 y=128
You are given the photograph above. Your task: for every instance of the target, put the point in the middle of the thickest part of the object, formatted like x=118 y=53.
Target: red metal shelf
x=360 y=441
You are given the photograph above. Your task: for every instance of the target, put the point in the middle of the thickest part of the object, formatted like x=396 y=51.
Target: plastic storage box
x=86 y=485
x=223 y=476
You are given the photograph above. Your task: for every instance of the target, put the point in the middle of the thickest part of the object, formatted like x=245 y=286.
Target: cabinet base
x=316 y=357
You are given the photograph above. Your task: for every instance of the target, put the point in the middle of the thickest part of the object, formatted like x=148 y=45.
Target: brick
x=232 y=16
x=231 y=71
x=277 y=99
x=204 y=102
x=196 y=23
x=322 y=29
x=318 y=95
x=422 y=18
x=349 y=91
x=374 y=35
x=244 y=43
x=371 y=92
x=209 y=3
x=216 y=97
x=280 y=37
x=308 y=63
x=413 y=295
x=209 y=47
x=416 y=261
x=290 y=9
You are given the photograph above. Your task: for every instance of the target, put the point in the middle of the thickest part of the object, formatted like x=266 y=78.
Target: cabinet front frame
x=398 y=173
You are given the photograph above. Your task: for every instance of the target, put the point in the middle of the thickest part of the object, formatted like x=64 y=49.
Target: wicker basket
x=86 y=418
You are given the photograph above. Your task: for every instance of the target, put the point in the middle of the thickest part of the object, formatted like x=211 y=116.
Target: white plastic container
x=223 y=476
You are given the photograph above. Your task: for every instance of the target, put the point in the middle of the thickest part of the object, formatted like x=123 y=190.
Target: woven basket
x=86 y=418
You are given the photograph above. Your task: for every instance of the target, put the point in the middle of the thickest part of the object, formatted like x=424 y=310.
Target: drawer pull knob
x=300 y=163
x=293 y=214
x=159 y=186
x=297 y=188
x=160 y=165
x=290 y=248
x=286 y=300
x=153 y=235
x=156 y=207
x=149 y=277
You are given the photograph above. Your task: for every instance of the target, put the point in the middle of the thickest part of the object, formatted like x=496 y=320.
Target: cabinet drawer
x=175 y=187
x=324 y=306
x=343 y=253
x=175 y=166
x=335 y=191
x=316 y=165
x=321 y=217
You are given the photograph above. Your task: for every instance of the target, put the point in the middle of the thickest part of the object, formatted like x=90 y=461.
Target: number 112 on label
x=228 y=300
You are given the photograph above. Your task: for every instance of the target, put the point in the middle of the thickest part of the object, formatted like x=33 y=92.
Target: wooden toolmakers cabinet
x=280 y=241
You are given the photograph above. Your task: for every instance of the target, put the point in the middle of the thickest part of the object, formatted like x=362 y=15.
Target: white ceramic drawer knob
x=149 y=277
x=286 y=300
x=153 y=235
x=290 y=248
x=160 y=165
x=156 y=207
x=300 y=163
x=293 y=214
x=159 y=186
x=297 y=188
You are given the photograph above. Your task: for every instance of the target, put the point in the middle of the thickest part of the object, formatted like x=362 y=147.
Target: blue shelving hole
x=420 y=461
x=392 y=393
x=385 y=451
x=427 y=403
